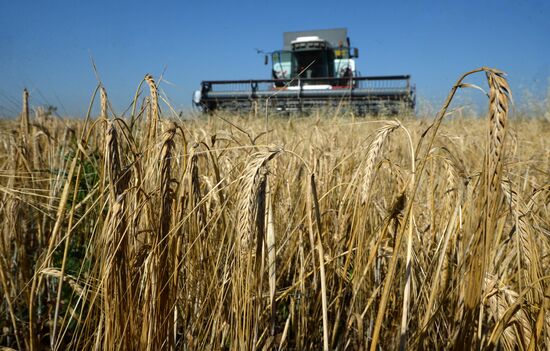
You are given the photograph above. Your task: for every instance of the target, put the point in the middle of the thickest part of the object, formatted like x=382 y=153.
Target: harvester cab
x=315 y=69
x=314 y=57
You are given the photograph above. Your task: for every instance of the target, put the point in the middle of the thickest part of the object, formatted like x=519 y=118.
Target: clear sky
x=46 y=45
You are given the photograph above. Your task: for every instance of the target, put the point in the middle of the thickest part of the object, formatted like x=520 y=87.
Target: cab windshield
x=283 y=64
x=312 y=64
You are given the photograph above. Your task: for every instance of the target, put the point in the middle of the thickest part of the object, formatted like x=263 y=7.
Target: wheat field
x=325 y=232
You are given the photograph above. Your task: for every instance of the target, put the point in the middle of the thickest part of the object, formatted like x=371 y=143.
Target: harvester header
x=315 y=69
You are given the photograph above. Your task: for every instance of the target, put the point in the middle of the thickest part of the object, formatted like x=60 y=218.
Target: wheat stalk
x=251 y=226
x=117 y=296
x=514 y=327
x=160 y=290
x=484 y=228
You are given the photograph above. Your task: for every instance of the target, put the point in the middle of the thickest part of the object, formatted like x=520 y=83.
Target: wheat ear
x=154 y=107
x=252 y=201
x=373 y=152
x=103 y=102
x=24 y=124
x=499 y=96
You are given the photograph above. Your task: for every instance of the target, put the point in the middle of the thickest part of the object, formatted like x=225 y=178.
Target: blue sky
x=46 y=45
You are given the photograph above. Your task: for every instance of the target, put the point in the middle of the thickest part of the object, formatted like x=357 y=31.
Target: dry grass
x=233 y=232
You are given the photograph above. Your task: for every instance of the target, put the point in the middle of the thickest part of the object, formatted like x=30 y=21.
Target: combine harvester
x=316 y=69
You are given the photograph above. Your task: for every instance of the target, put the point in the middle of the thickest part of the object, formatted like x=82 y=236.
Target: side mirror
x=355 y=52
x=266 y=60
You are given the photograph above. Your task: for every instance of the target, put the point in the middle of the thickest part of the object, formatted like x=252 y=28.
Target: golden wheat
x=153 y=233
